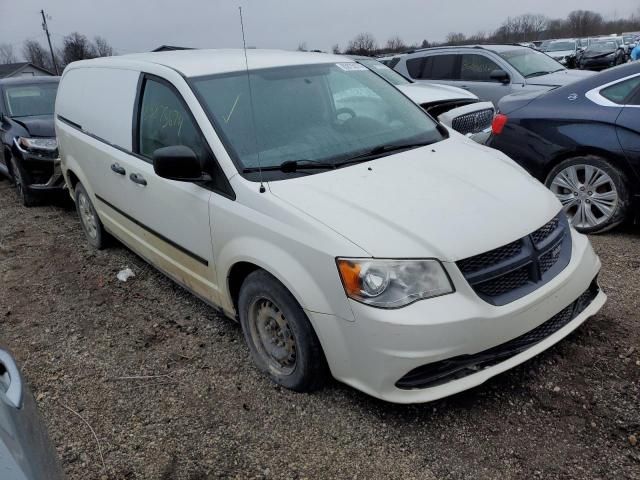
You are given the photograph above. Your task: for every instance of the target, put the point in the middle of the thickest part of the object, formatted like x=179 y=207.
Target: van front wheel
x=91 y=224
x=280 y=337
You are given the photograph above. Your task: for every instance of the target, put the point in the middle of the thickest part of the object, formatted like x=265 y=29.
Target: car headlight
x=392 y=283
x=38 y=144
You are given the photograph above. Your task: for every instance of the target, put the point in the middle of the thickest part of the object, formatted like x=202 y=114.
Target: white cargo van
x=364 y=240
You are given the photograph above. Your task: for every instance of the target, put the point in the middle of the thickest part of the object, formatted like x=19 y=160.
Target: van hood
x=422 y=93
x=451 y=200
x=558 y=79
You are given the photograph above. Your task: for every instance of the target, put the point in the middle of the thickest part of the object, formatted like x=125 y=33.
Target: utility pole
x=45 y=27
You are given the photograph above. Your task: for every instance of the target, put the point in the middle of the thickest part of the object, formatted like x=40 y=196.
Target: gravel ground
x=171 y=393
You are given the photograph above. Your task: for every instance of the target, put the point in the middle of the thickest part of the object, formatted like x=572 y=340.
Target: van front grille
x=512 y=271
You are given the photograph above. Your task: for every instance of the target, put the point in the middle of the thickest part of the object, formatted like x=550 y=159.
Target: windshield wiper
x=376 y=152
x=291 y=166
x=536 y=74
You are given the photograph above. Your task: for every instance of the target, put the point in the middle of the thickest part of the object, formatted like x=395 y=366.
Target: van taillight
x=499 y=121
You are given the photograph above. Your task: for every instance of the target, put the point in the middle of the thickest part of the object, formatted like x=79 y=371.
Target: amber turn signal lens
x=350 y=273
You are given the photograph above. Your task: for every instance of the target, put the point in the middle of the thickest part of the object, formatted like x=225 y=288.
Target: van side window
x=165 y=122
x=477 y=68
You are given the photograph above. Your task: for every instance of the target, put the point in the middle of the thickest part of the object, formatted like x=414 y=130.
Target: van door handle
x=137 y=178
x=12 y=379
x=115 y=167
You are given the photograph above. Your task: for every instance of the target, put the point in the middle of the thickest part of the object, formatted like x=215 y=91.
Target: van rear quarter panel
x=100 y=100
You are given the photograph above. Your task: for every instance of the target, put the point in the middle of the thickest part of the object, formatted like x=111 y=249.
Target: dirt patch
x=171 y=393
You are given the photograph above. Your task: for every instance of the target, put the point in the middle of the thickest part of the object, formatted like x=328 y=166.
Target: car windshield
x=530 y=63
x=26 y=100
x=320 y=114
x=560 y=46
x=603 y=46
x=385 y=72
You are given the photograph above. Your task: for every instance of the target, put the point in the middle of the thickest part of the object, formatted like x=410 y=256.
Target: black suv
x=28 y=146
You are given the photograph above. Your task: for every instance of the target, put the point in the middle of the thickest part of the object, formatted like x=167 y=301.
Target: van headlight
x=37 y=144
x=392 y=283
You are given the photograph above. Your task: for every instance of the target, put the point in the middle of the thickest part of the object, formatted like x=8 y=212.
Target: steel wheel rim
x=272 y=336
x=588 y=195
x=87 y=216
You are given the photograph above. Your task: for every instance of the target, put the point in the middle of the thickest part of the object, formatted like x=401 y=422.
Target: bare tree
x=585 y=22
x=336 y=49
x=362 y=44
x=454 y=38
x=302 y=47
x=425 y=44
x=6 y=54
x=395 y=44
x=102 y=47
x=35 y=53
x=76 y=46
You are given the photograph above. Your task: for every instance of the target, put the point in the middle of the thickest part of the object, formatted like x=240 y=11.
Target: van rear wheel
x=91 y=224
x=280 y=337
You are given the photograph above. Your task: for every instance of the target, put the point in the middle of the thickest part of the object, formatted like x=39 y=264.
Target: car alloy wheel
x=87 y=216
x=272 y=336
x=588 y=195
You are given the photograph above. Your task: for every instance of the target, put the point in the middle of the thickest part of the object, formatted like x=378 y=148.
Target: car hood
x=597 y=54
x=451 y=200
x=38 y=126
x=561 y=53
x=558 y=79
x=422 y=93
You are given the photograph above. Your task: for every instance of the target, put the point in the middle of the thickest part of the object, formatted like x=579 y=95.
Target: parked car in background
x=28 y=146
x=368 y=240
x=454 y=107
x=564 y=52
x=583 y=142
x=488 y=71
x=544 y=45
x=601 y=54
x=25 y=450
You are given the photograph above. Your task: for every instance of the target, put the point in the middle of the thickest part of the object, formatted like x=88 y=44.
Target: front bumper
x=373 y=353
x=597 y=63
x=42 y=174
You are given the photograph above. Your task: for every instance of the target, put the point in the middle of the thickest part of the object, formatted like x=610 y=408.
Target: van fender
x=311 y=289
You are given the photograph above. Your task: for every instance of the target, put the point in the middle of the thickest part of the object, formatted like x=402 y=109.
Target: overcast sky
x=137 y=25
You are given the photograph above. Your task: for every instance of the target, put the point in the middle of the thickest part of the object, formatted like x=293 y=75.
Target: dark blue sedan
x=583 y=141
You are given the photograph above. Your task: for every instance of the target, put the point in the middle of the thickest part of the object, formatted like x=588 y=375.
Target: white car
x=366 y=241
x=455 y=107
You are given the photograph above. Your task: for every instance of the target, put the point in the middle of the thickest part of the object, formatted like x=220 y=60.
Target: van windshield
x=311 y=114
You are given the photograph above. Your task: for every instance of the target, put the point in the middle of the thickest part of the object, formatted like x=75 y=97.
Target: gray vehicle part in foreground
x=25 y=450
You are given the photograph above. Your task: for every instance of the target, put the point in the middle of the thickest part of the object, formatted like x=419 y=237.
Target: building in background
x=22 y=69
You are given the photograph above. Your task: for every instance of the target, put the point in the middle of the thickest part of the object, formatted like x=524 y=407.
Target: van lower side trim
x=153 y=232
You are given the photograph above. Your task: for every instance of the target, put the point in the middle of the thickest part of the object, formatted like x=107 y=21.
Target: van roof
x=195 y=63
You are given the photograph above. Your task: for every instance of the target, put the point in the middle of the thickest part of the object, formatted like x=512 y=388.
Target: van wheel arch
x=236 y=277
x=73 y=180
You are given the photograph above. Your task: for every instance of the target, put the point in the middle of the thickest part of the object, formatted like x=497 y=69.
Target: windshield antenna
x=253 y=116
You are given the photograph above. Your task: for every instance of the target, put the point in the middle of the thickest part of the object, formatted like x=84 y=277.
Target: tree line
x=523 y=28
x=74 y=46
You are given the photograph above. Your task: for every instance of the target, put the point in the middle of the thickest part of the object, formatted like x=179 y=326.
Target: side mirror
x=179 y=163
x=500 y=76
